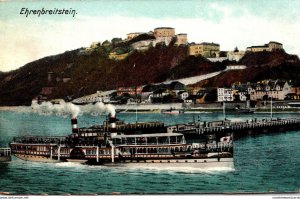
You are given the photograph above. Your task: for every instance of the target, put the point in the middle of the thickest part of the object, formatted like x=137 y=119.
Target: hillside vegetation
x=94 y=71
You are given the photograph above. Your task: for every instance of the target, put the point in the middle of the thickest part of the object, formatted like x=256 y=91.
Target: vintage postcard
x=149 y=97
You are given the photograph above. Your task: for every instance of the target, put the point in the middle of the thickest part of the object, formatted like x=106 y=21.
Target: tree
x=120 y=50
x=115 y=41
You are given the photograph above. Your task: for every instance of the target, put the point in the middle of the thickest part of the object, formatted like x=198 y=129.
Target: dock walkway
x=244 y=128
x=5 y=154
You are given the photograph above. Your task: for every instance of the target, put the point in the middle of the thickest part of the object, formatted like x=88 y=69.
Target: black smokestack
x=112 y=123
x=74 y=125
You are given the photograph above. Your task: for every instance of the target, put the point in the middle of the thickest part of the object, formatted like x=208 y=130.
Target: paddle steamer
x=118 y=142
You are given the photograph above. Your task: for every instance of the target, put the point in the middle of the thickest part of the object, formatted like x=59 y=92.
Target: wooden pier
x=5 y=154
x=243 y=128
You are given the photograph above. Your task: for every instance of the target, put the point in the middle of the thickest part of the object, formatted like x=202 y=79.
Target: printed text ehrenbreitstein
x=43 y=11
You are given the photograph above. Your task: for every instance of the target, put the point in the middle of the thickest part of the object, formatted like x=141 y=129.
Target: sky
x=230 y=23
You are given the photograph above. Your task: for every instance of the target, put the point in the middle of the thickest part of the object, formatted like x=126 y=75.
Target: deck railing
x=40 y=140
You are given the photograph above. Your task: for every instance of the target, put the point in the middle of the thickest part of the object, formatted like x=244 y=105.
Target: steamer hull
x=182 y=163
x=36 y=158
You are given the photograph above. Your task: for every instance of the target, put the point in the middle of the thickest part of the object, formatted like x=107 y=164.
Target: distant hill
x=91 y=72
x=76 y=74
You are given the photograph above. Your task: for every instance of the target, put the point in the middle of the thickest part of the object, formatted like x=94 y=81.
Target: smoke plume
x=62 y=109
x=108 y=108
x=67 y=109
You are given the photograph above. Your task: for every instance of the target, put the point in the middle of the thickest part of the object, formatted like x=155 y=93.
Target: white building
x=271 y=46
x=99 y=96
x=183 y=95
x=225 y=94
x=217 y=59
x=270 y=89
x=236 y=67
x=144 y=45
x=242 y=96
x=235 y=55
x=134 y=34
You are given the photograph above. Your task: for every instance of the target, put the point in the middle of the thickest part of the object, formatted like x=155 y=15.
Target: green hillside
x=76 y=74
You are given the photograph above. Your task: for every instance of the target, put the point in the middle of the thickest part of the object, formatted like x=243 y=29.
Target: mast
x=50 y=152
x=224 y=115
x=271 y=108
x=136 y=101
x=97 y=154
x=58 y=153
x=112 y=154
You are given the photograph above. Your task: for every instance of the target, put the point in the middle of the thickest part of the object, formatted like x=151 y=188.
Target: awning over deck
x=147 y=135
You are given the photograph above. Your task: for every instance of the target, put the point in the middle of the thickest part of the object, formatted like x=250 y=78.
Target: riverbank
x=157 y=108
x=205 y=110
x=9 y=108
x=211 y=107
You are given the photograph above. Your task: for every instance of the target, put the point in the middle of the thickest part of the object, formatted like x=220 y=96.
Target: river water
x=262 y=164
